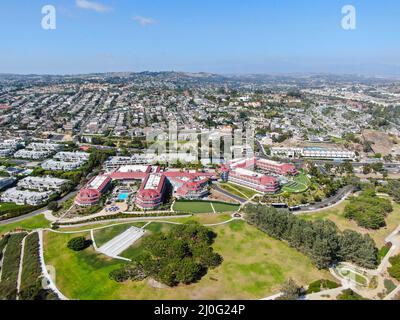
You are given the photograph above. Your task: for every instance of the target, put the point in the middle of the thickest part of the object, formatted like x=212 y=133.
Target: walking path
x=2 y=260
x=326 y=294
x=21 y=264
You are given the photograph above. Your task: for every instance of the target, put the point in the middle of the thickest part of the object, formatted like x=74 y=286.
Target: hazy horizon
x=224 y=37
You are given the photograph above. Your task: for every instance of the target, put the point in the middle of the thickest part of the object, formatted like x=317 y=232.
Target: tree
x=53 y=206
x=322 y=254
x=79 y=244
x=290 y=291
x=349 y=295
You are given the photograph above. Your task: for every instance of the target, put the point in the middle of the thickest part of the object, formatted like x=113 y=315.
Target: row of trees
x=321 y=240
x=368 y=210
x=181 y=256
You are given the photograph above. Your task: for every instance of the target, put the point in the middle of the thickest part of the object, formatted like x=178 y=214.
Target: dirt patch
x=381 y=142
x=218 y=196
x=157 y=285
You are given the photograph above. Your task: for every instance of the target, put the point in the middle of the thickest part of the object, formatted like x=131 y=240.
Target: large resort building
x=91 y=194
x=190 y=185
x=152 y=190
x=242 y=172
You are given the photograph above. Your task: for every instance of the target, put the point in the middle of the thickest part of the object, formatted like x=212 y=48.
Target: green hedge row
x=31 y=270
x=8 y=284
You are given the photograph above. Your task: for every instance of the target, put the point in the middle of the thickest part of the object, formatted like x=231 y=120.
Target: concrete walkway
x=2 y=260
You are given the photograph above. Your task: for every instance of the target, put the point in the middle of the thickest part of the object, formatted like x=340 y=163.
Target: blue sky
x=222 y=36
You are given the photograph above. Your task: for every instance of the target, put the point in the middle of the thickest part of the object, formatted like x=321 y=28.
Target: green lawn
x=254 y=267
x=102 y=236
x=29 y=224
x=300 y=184
x=6 y=207
x=239 y=191
x=204 y=207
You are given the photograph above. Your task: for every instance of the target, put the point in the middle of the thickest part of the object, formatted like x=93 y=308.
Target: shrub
x=79 y=244
x=133 y=271
x=320 y=285
x=394 y=270
x=384 y=251
x=389 y=285
x=350 y=295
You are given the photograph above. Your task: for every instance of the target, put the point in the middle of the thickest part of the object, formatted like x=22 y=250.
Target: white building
x=42 y=183
x=25 y=197
x=328 y=153
x=137 y=159
x=72 y=156
x=287 y=152
x=52 y=147
x=32 y=155
x=61 y=165
x=66 y=161
x=314 y=152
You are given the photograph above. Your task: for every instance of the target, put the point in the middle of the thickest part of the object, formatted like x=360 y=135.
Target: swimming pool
x=123 y=196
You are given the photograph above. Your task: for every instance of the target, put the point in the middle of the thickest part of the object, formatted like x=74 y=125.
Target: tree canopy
x=322 y=241
x=183 y=255
x=368 y=210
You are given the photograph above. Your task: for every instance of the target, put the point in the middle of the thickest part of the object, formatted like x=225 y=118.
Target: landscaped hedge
x=320 y=285
x=394 y=270
x=18 y=211
x=8 y=284
x=31 y=270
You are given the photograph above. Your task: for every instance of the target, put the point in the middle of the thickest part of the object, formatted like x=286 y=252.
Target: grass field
x=239 y=191
x=337 y=215
x=6 y=207
x=28 y=224
x=254 y=267
x=204 y=207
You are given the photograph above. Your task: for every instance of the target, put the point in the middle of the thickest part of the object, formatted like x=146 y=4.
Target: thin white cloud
x=143 y=21
x=91 y=5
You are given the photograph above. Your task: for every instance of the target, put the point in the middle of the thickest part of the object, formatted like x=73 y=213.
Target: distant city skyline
x=223 y=37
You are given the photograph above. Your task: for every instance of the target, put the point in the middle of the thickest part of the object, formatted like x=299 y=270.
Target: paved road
x=37 y=212
x=329 y=202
